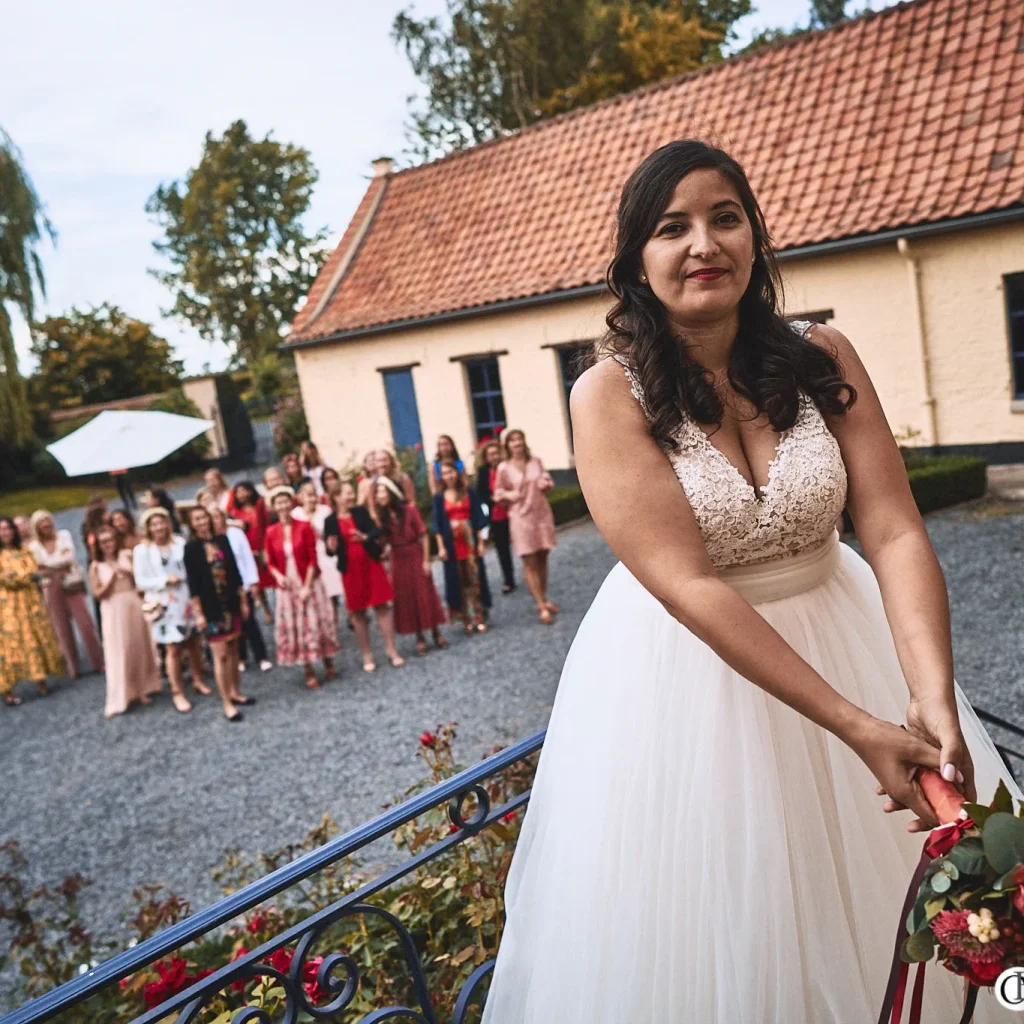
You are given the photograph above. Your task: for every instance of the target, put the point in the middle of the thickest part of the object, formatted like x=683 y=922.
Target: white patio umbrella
x=116 y=440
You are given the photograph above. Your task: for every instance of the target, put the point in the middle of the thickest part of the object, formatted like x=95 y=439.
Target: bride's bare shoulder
x=602 y=385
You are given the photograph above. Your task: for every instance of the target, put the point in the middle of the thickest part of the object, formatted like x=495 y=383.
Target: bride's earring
x=643 y=278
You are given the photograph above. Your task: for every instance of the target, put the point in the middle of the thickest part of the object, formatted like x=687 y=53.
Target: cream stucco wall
x=870 y=291
x=343 y=388
x=203 y=391
x=964 y=321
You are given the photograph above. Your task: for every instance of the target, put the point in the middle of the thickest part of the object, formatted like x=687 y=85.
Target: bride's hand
x=894 y=755
x=937 y=720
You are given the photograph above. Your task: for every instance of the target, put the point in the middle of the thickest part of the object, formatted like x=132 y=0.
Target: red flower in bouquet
x=255 y=924
x=953 y=929
x=1018 y=896
x=977 y=974
x=428 y=739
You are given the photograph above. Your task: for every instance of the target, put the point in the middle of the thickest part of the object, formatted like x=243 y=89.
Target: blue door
x=405 y=417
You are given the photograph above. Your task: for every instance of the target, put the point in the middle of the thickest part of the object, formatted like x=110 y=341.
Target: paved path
x=156 y=796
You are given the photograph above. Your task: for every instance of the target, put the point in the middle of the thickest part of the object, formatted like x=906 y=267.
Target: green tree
x=99 y=355
x=241 y=259
x=494 y=66
x=826 y=13
x=23 y=225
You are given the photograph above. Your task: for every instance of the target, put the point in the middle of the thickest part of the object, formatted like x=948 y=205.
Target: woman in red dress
x=417 y=606
x=351 y=535
x=250 y=510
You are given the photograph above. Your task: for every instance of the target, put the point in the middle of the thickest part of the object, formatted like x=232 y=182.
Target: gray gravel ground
x=157 y=796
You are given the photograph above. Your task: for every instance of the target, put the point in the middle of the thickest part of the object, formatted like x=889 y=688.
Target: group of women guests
x=331 y=550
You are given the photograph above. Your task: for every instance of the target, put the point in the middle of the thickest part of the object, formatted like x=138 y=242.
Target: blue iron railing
x=338 y=974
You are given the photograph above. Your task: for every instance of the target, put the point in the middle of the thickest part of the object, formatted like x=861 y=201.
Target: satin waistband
x=786 y=576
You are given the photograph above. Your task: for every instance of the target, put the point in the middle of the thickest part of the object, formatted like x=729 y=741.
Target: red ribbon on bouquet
x=947 y=802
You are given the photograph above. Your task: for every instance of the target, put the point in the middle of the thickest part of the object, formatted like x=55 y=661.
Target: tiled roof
x=908 y=115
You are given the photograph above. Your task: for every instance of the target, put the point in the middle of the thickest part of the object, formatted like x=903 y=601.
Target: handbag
x=73 y=582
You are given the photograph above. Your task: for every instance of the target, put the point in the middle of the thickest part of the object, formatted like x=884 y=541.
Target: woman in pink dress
x=522 y=482
x=132 y=673
x=417 y=605
x=63 y=587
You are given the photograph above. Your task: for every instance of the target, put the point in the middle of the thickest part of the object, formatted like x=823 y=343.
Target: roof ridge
x=651 y=87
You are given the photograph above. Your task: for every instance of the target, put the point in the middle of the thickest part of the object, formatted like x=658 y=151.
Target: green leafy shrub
x=453 y=907
x=942 y=480
x=290 y=426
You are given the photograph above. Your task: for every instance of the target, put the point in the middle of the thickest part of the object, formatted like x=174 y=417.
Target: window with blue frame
x=571 y=363
x=485 y=396
x=1013 y=288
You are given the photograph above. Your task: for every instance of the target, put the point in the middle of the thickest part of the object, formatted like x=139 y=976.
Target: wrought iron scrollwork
x=338 y=974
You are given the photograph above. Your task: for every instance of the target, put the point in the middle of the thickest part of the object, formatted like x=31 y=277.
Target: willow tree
x=23 y=226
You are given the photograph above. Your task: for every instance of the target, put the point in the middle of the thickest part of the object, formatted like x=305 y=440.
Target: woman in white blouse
x=158 y=562
x=63 y=586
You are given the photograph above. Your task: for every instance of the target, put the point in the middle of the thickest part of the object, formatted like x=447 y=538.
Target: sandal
x=43 y=689
x=552 y=607
x=421 y=647
x=441 y=644
x=545 y=616
x=481 y=626
x=312 y=683
x=11 y=701
x=330 y=673
x=370 y=666
x=202 y=689
x=396 y=661
x=508 y=588
x=467 y=627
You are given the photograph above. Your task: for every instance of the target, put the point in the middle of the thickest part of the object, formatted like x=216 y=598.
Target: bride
x=706 y=840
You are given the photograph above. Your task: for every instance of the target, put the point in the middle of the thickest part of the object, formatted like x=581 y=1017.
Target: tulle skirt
x=695 y=851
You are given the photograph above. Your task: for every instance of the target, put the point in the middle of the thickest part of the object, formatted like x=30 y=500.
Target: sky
x=108 y=100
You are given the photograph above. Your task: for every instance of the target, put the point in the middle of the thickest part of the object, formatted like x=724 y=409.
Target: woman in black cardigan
x=220 y=603
x=490 y=456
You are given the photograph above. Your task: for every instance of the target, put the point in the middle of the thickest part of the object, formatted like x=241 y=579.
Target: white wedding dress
x=695 y=851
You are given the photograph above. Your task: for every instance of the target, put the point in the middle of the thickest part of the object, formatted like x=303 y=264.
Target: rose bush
x=452 y=907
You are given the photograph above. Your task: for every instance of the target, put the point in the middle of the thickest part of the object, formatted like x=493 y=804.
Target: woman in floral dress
x=28 y=647
x=159 y=564
x=304 y=628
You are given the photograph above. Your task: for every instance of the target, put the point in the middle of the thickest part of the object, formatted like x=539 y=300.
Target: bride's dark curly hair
x=770 y=363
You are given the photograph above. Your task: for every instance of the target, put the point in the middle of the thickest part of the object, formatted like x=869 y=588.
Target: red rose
x=428 y=739
x=314 y=992
x=239 y=985
x=984 y=974
x=255 y=924
x=281 y=960
x=511 y=816
x=453 y=828
x=173 y=979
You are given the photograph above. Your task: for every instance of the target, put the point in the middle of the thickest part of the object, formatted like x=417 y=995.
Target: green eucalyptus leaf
x=979 y=813
x=933 y=907
x=1003 y=838
x=969 y=857
x=949 y=868
x=919 y=947
x=1002 y=801
x=1005 y=881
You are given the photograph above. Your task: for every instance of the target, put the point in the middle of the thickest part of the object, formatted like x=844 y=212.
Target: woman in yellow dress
x=28 y=647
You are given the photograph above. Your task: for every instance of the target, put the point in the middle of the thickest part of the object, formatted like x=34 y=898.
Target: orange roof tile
x=908 y=115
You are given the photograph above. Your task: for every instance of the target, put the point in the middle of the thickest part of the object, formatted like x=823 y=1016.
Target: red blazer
x=303 y=548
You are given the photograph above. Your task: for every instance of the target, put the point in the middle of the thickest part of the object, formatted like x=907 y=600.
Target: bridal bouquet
x=965 y=904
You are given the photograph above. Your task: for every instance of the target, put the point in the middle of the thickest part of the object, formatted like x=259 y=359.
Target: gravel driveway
x=157 y=796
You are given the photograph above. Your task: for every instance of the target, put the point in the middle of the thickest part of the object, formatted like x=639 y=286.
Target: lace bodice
x=800 y=504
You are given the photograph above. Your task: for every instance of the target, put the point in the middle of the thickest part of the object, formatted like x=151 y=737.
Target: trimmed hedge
x=567 y=503
x=941 y=480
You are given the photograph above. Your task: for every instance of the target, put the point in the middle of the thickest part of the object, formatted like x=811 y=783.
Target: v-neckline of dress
x=772 y=465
